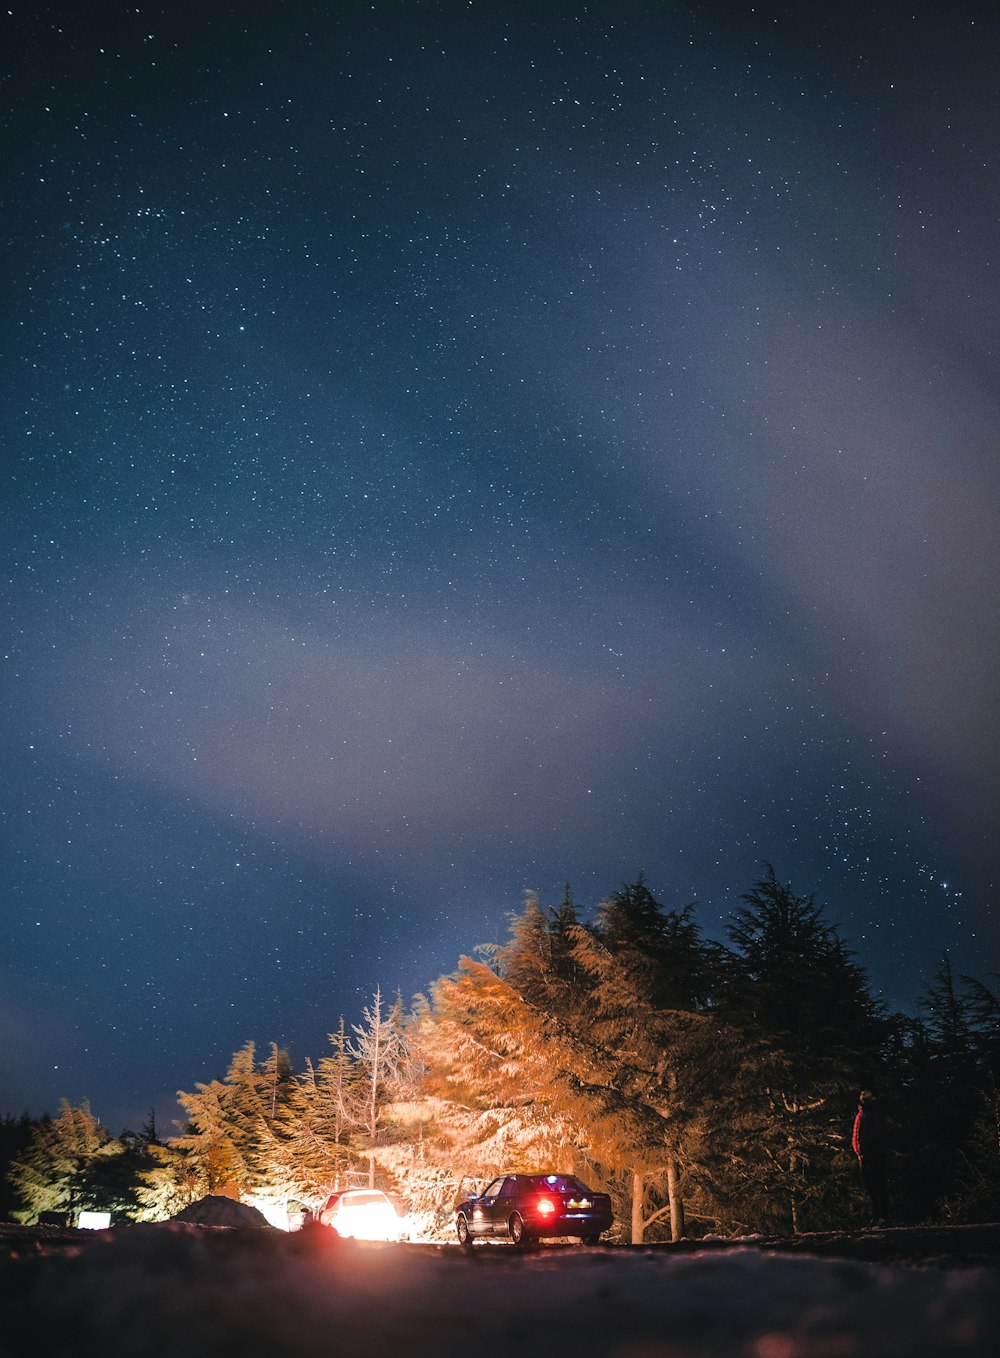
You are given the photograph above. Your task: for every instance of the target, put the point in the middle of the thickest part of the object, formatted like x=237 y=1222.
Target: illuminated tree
x=378 y=1052
x=495 y=1061
x=554 y=1049
x=58 y=1170
x=313 y=1141
x=664 y=1063
x=234 y=1124
x=644 y=984
x=171 y=1181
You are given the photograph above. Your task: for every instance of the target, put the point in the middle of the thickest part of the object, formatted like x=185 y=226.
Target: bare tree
x=378 y=1050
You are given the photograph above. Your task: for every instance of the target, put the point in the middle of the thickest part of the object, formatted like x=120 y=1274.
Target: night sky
x=451 y=449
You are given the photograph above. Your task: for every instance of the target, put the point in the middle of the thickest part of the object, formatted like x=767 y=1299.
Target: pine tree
x=270 y=1091
x=560 y=1042
x=539 y=960
x=984 y=1014
x=58 y=1170
x=649 y=985
x=976 y=1195
x=493 y=1060
x=234 y=1125
x=952 y=1158
x=316 y=1124
x=15 y=1137
x=171 y=1181
x=808 y=1018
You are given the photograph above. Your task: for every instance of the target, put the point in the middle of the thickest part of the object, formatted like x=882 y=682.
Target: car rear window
x=558 y=1183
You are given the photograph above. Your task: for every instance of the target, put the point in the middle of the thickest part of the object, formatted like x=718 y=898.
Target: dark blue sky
x=450 y=450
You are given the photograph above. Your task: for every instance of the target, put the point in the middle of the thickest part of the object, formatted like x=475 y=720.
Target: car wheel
x=515 y=1229
x=462 y=1227
x=590 y=1240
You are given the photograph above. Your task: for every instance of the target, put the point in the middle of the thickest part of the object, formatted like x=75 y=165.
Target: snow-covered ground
x=185 y=1290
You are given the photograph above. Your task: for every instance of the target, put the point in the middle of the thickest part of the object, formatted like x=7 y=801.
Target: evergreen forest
x=709 y=1087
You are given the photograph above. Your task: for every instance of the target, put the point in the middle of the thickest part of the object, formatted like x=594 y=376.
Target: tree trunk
x=638 y=1224
x=676 y=1203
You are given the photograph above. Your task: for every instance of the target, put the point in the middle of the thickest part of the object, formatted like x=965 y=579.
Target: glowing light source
x=275 y=1212
x=94 y=1221
x=366 y=1215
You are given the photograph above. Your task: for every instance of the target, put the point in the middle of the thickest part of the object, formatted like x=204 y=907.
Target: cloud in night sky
x=450 y=452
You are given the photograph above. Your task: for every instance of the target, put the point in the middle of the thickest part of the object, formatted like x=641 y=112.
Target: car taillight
x=545 y=1206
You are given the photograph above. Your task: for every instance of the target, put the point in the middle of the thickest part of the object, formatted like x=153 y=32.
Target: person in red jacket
x=870 y=1142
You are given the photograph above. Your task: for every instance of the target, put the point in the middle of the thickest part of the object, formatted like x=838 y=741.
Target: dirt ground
x=181 y=1290
x=945 y=1246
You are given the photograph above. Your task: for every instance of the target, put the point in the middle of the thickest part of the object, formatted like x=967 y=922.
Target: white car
x=362 y=1213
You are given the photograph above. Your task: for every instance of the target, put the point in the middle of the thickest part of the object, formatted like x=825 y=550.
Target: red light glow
x=546 y=1206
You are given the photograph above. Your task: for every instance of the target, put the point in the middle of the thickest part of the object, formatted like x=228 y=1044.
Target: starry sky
x=457 y=447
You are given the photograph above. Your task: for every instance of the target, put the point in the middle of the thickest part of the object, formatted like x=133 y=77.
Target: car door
x=506 y=1201
x=486 y=1204
x=329 y=1209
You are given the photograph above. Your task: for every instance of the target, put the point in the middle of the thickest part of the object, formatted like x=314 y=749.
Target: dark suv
x=523 y=1207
